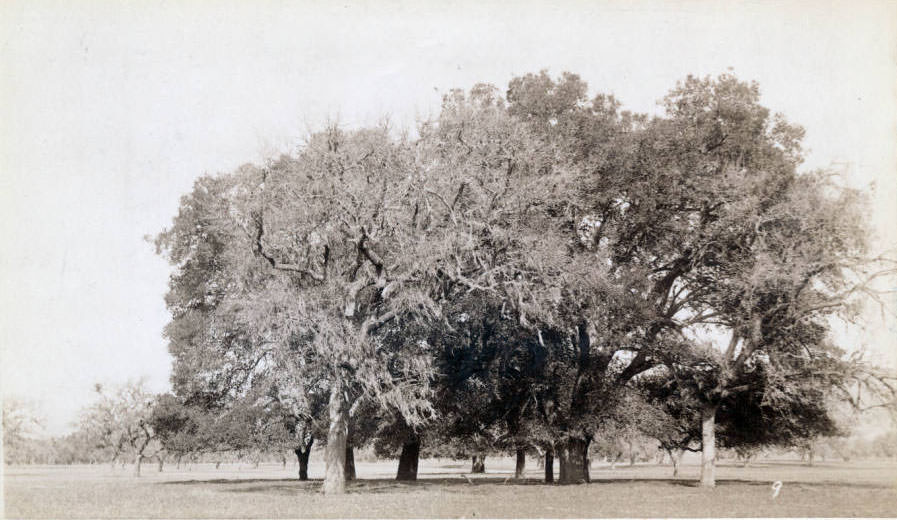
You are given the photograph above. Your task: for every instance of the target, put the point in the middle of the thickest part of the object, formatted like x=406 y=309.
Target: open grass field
x=271 y=491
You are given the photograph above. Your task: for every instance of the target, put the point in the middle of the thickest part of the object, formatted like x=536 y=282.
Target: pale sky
x=112 y=109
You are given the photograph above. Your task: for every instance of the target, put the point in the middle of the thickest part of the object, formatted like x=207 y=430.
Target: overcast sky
x=111 y=110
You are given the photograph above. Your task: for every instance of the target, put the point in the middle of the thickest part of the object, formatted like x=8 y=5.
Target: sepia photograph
x=448 y=259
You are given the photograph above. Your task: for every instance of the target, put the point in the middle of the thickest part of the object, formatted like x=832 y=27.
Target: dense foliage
x=530 y=271
x=534 y=272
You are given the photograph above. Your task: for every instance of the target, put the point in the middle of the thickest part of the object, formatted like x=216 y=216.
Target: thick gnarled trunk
x=349 y=468
x=302 y=455
x=335 y=453
x=478 y=464
x=520 y=466
x=408 y=460
x=549 y=467
x=574 y=459
x=708 y=446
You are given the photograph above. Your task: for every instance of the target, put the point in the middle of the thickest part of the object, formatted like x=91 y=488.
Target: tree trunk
x=138 y=460
x=408 y=460
x=478 y=464
x=349 y=468
x=161 y=462
x=549 y=466
x=708 y=446
x=675 y=458
x=574 y=456
x=335 y=454
x=302 y=454
x=520 y=467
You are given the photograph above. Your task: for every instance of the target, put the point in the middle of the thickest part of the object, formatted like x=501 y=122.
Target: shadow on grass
x=741 y=482
x=784 y=464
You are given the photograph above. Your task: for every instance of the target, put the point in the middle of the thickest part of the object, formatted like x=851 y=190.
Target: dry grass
x=862 y=489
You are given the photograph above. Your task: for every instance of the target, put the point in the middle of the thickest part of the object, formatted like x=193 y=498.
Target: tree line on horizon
x=538 y=271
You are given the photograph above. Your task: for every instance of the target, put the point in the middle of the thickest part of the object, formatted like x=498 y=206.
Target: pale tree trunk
x=138 y=460
x=675 y=459
x=478 y=464
x=161 y=461
x=335 y=453
x=549 y=466
x=574 y=456
x=520 y=467
x=408 y=460
x=617 y=454
x=349 y=468
x=708 y=446
x=679 y=455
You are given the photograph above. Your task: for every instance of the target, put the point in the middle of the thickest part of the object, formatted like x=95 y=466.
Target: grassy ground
x=271 y=491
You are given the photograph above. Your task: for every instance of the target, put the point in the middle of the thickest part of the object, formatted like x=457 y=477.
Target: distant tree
x=21 y=422
x=885 y=445
x=78 y=447
x=120 y=421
